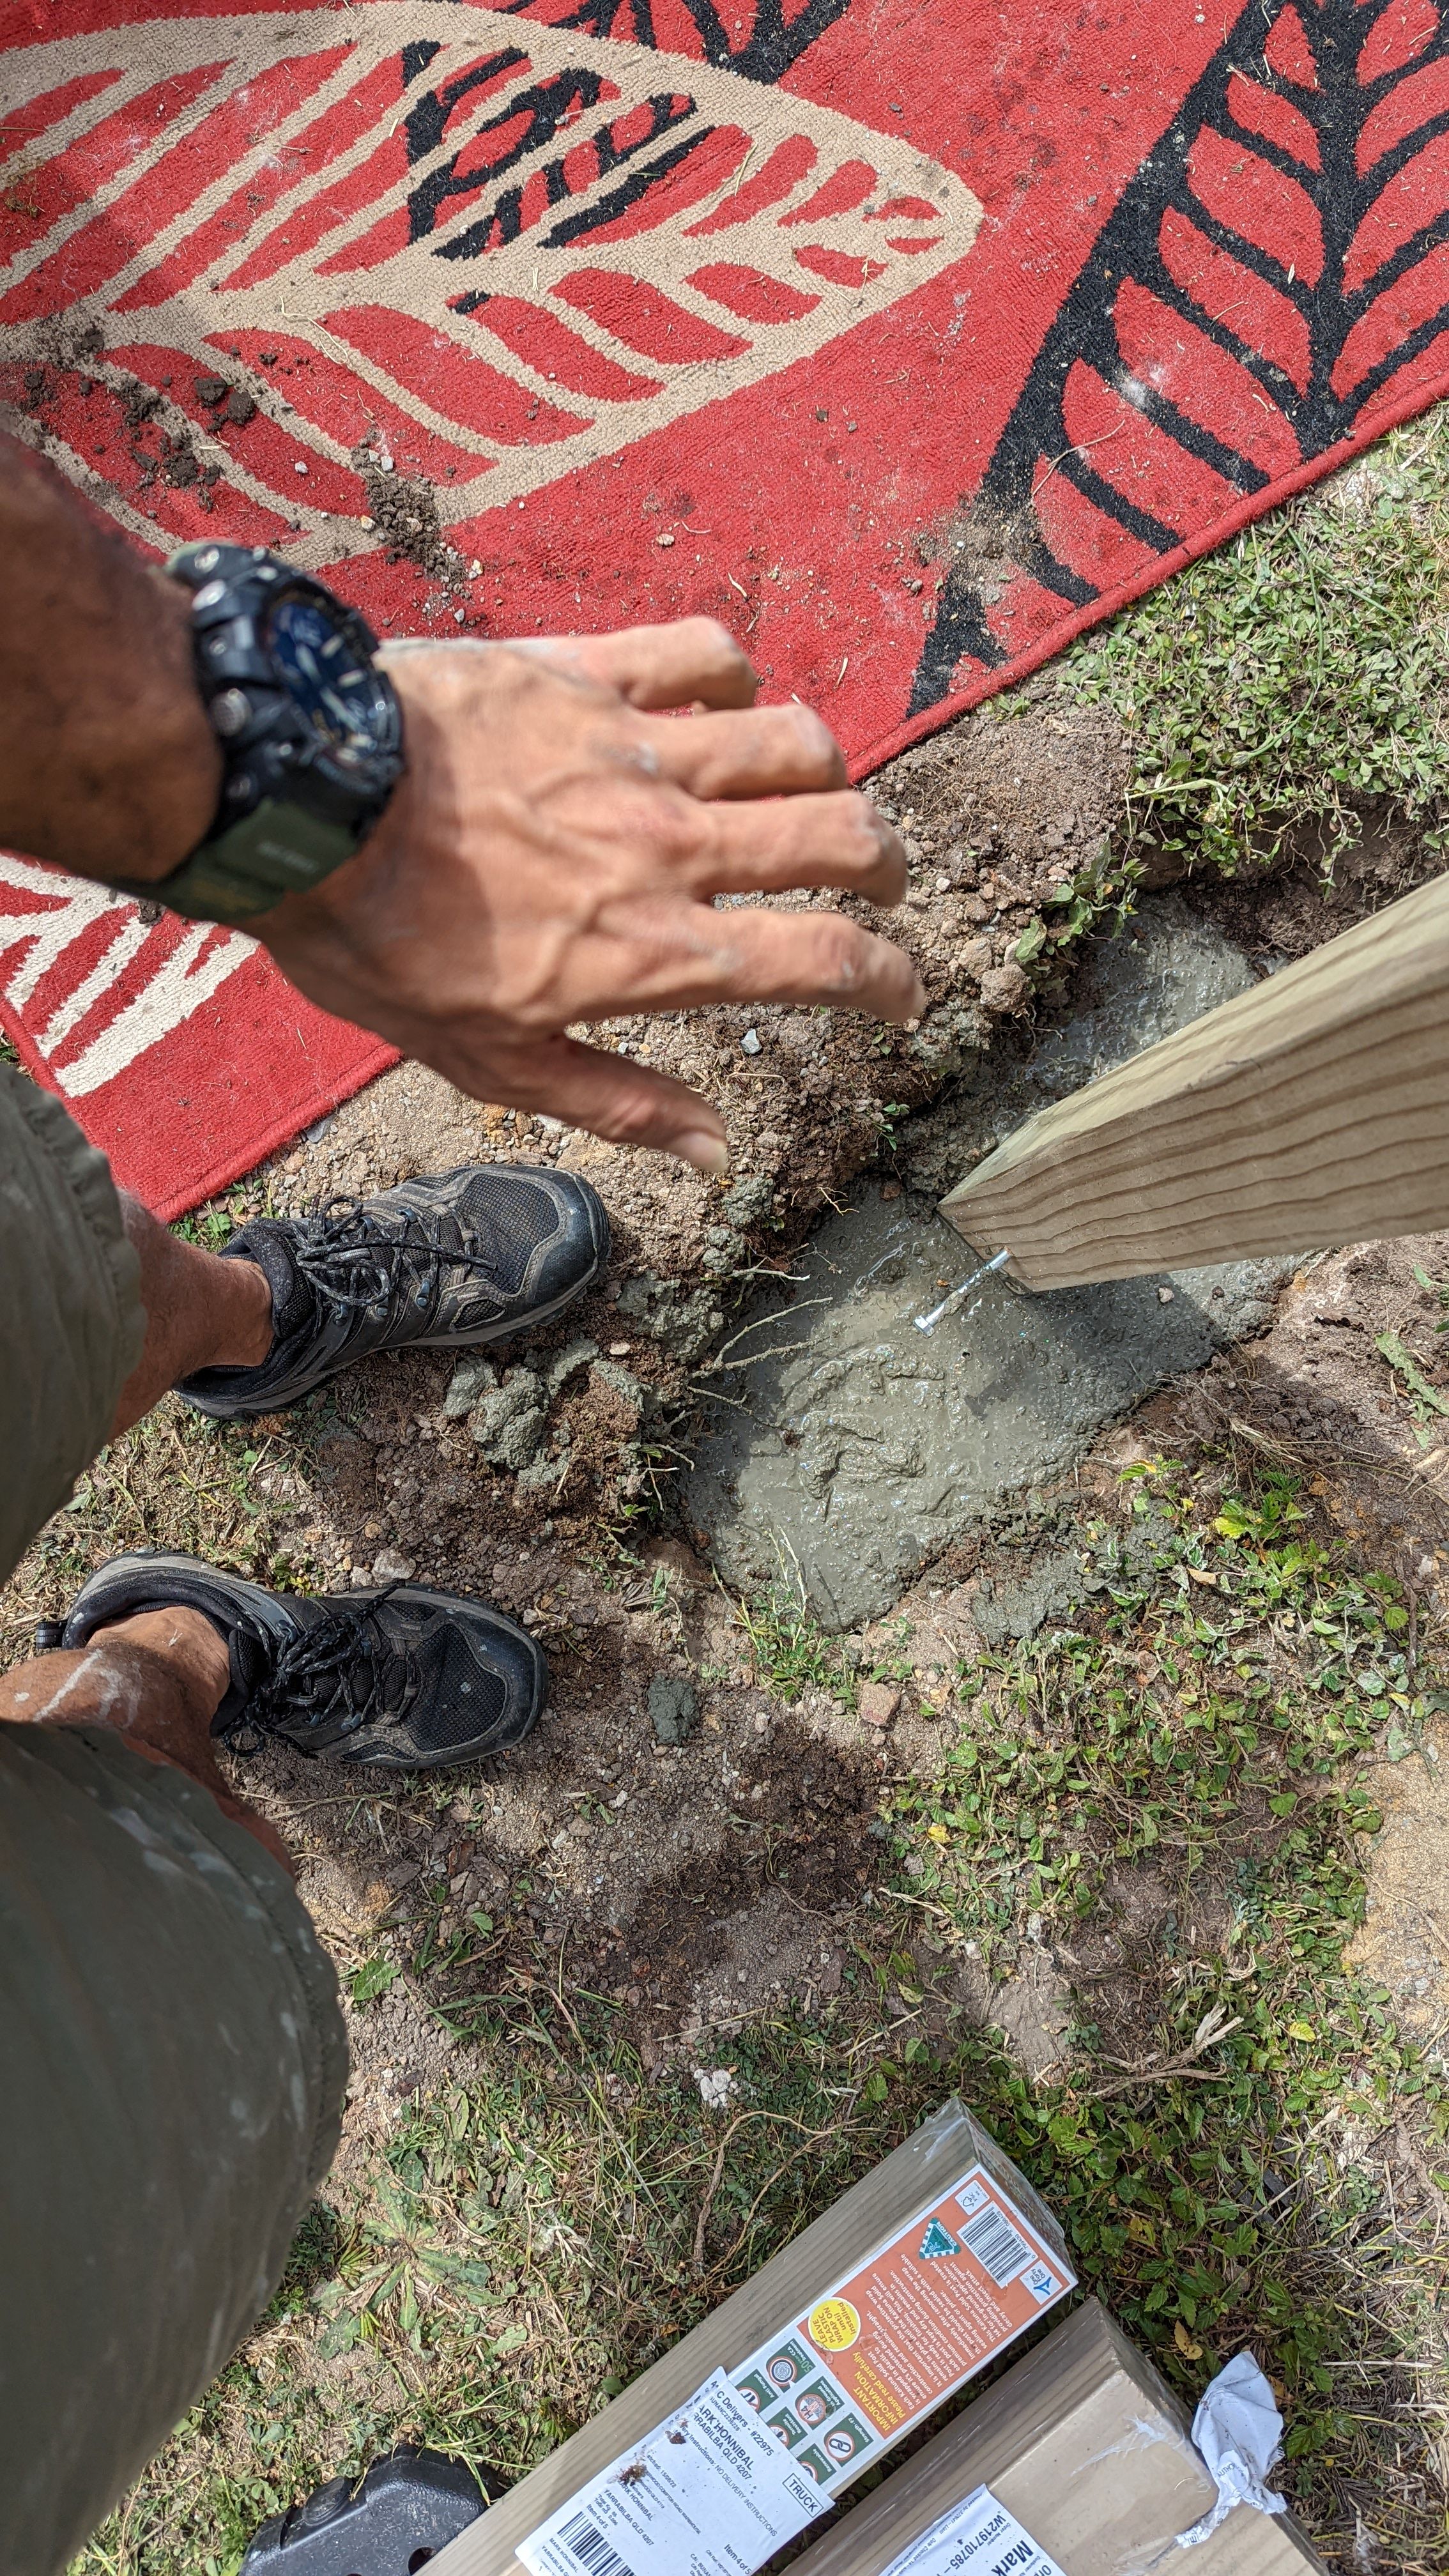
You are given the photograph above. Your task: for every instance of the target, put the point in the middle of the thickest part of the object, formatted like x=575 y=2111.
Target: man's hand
x=552 y=856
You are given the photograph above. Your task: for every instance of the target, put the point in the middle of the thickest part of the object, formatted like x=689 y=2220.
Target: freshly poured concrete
x=855 y=1447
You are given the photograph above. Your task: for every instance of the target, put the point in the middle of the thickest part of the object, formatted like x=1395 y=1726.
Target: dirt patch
x=1033 y=2008
x=693 y=1883
x=1316 y=1394
x=1404 y=1943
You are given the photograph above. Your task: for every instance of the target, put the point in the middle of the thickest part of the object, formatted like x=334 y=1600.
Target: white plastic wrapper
x=1239 y=2432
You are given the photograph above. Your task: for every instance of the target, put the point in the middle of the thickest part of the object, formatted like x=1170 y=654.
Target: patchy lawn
x=1109 y=1905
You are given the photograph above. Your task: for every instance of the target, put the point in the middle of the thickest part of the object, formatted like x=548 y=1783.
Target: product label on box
x=976 y=2538
x=888 y=2343
x=758 y=2453
x=711 y=2493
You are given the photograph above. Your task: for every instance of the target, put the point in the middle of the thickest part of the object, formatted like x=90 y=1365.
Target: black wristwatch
x=310 y=730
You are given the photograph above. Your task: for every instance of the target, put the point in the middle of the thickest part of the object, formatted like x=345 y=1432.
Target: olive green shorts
x=172 y=2058
x=72 y=1319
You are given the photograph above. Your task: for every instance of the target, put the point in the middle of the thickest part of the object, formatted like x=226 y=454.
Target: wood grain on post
x=1313 y=1110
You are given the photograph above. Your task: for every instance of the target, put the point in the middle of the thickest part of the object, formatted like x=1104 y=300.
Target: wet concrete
x=846 y=1447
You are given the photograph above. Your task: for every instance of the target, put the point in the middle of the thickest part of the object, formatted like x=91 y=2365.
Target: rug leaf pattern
x=1269 y=275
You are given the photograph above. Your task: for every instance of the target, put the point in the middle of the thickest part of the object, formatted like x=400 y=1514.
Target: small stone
x=298 y=467
x=878 y=1704
x=389 y=1567
x=620 y=1350
x=915 y=1866
x=366 y=521
x=750 y=1042
x=664 y=541
x=673 y=1709
x=1165 y=1296
x=1005 y=988
x=716 y=2086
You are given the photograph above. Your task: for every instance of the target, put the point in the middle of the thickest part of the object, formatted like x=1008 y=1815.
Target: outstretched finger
x=761 y=751
x=832 y=840
x=608 y=1094
x=696 y=660
x=803 y=957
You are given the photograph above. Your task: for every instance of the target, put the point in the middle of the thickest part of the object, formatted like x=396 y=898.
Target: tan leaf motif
x=530 y=246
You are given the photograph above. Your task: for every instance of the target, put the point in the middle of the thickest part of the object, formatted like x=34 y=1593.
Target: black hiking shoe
x=402 y=1678
x=435 y=1264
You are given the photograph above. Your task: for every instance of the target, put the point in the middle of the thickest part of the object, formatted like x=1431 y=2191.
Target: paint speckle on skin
x=112 y=1690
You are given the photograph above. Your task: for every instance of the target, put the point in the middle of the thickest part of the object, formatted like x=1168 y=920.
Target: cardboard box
x=902 y=2290
x=1085 y=2445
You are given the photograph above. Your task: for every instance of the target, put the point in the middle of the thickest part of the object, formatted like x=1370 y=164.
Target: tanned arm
x=107 y=763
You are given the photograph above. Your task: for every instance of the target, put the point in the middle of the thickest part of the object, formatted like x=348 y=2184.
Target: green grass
x=1277 y=694
x=1204 y=1725
x=222 y=1491
x=530 y=2240
x=1277 y=688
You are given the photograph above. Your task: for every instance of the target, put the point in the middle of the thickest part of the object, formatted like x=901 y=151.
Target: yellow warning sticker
x=833 y=2326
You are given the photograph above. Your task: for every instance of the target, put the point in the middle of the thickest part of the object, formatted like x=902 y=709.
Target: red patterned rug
x=907 y=336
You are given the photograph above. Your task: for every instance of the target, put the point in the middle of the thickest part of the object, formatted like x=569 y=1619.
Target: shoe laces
x=345 y=1672
x=361 y=1261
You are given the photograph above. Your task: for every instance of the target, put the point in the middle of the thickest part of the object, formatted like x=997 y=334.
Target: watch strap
x=247 y=868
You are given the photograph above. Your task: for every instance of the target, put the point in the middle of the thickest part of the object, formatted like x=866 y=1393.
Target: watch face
x=328 y=677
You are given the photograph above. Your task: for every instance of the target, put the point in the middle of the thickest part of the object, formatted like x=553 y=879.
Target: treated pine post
x=1313 y=1110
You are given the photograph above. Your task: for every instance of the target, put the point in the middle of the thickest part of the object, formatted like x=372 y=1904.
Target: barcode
x=996 y=2245
x=592 y=2550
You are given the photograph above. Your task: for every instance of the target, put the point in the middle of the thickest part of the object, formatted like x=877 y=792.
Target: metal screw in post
x=928 y=1323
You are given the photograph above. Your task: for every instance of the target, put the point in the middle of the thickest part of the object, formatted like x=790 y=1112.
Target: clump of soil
x=404 y=508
